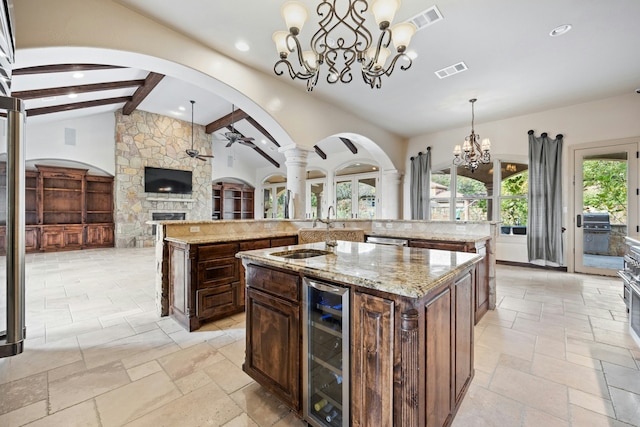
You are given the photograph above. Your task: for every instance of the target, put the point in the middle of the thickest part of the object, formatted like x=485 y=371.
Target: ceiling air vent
x=426 y=18
x=451 y=70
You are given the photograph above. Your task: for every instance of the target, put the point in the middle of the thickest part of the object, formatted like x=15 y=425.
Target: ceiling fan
x=193 y=152
x=235 y=136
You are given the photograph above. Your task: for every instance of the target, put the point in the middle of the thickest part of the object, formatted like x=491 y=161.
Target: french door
x=356 y=196
x=605 y=205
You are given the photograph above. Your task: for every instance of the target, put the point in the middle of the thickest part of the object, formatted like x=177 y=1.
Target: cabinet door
x=463 y=333
x=73 y=237
x=31 y=243
x=273 y=345
x=52 y=238
x=284 y=241
x=372 y=346
x=441 y=245
x=439 y=359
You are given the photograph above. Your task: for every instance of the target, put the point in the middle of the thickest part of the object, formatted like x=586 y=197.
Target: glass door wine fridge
x=326 y=362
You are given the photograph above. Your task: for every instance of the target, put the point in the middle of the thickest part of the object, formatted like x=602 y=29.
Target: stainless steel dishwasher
x=387 y=241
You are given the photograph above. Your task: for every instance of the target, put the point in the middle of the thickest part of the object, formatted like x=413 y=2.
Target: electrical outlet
x=389 y=225
x=194 y=229
x=268 y=225
x=460 y=228
x=408 y=226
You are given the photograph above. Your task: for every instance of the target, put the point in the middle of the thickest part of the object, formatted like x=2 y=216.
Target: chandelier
x=472 y=153
x=342 y=40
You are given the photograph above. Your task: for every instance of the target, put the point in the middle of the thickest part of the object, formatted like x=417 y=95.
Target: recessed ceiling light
x=73 y=95
x=242 y=46
x=560 y=30
x=264 y=141
x=181 y=108
x=78 y=75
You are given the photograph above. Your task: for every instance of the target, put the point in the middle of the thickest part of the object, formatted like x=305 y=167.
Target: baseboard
x=529 y=265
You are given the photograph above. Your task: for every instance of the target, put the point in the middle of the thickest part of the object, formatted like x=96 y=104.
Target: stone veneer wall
x=147 y=139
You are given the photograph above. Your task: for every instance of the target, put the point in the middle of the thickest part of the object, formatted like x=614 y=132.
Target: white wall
x=94 y=141
x=603 y=120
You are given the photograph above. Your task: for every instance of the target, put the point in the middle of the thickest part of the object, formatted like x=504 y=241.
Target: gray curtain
x=544 y=228
x=420 y=183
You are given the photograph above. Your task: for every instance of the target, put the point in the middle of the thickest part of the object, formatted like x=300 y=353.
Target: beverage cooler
x=326 y=354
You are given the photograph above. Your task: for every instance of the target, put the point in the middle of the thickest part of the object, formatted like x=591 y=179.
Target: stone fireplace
x=146 y=139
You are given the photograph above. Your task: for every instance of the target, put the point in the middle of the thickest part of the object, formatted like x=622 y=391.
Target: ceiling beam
x=61 y=68
x=349 y=145
x=66 y=90
x=320 y=153
x=266 y=156
x=262 y=130
x=225 y=121
x=76 y=106
x=143 y=91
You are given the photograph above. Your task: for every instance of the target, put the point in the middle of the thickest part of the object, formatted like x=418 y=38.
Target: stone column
x=391 y=181
x=296 y=162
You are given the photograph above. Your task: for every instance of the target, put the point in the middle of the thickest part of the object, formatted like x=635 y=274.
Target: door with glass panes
x=356 y=196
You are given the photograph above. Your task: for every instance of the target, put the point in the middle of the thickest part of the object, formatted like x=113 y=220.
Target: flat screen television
x=159 y=180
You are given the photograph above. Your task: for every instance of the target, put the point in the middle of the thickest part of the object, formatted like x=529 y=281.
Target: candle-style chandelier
x=473 y=153
x=341 y=40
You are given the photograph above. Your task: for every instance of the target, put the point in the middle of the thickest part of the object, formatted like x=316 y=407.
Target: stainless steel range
x=631 y=278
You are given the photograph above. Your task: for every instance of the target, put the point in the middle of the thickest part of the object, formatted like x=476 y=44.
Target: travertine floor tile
x=83 y=414
x=569 y=374
x=626 y=405
x=591 y=402
x=185 y=362
x=536 y=418
x=16 y=394
x=228 y=376
x=260 y=405
x=531 y=390
x=484 y=408
x=24 y=415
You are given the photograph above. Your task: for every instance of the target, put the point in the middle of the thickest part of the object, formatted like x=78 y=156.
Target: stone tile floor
x=556 y=352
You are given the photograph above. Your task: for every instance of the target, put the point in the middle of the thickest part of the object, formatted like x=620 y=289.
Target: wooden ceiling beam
x=143 y=91
x=225 y=121
x=76 y=106
x=350 y=145
x=266 y=156
x=320 y=153
x=262 y=130
x=66 y=90
x=61 y=68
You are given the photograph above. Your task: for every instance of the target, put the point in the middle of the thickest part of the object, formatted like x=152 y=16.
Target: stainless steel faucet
x=329 y=242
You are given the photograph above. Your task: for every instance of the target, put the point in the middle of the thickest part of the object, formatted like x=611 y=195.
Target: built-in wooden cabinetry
x=65 y=209
x=273 y=341
x=232 y=201
x=206 y=281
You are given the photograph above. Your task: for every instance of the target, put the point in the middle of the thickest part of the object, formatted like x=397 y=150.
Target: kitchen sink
x=300 y=253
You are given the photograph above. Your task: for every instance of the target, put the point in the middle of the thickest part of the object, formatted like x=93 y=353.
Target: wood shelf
x=232 y=201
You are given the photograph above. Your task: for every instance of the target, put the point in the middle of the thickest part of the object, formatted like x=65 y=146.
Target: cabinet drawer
x=218 y=272
x=274 y=282
x=217 y=251
x=217 y=300
x=255 y=244
x=284 y=241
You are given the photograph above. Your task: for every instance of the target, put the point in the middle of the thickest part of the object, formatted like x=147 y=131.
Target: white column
x=296 y=162
x=391 y=181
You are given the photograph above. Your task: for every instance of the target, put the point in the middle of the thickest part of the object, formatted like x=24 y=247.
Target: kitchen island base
x=411 y=356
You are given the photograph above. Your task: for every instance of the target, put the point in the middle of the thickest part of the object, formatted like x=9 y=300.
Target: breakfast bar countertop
x=410 y=272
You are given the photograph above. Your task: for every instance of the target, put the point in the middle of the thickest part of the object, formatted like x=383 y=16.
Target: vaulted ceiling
x=514 y=66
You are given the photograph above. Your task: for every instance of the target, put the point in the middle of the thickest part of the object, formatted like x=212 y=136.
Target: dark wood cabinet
x=232 y=201
x=273 y=335
x=207 y=281
x=65 y=209
x=464 y=321
x=373 y=359
x=481 y=285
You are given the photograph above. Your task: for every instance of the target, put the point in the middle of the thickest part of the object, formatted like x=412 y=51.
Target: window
x=474 y=197
x=514 y=207
x=274 y=190
x=356 y=192
x=316 y=197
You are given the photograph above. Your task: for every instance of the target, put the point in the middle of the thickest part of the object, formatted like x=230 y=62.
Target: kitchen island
x=409 y=317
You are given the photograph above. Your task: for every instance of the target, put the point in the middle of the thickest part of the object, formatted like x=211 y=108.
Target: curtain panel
x=420 y=185
x=544 y=228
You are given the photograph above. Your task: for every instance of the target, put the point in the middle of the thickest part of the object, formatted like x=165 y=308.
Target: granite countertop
x=410 y=272
x=428 y=236
x=229 y=237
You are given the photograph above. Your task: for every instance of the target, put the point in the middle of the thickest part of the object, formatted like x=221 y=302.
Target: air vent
x=426 y=18
x=451 y=70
